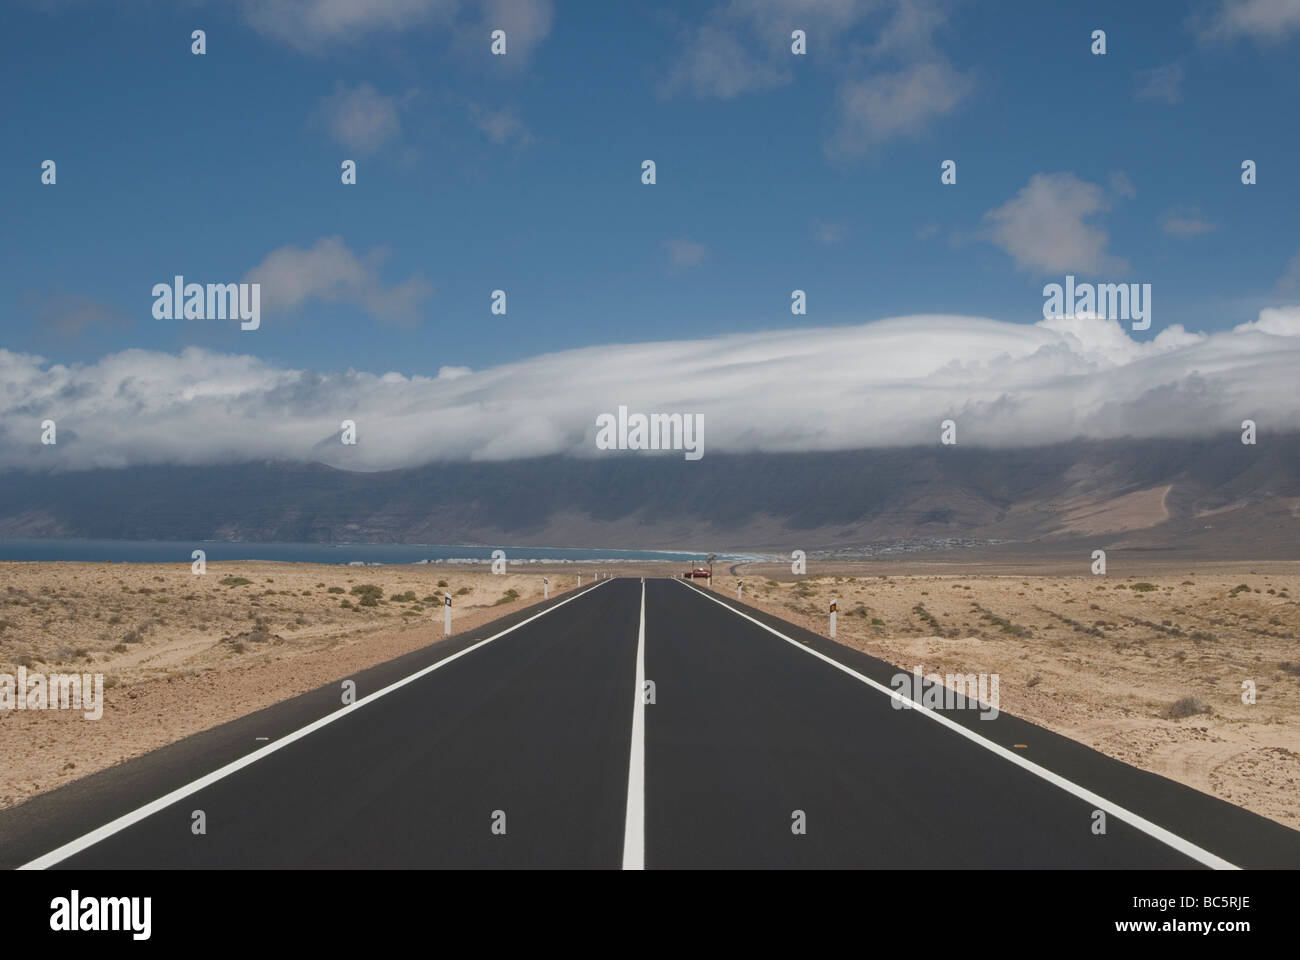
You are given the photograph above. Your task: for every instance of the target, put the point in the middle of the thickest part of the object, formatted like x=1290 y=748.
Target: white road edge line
x=1154 y=830
x=72 y=847
x=634 y=823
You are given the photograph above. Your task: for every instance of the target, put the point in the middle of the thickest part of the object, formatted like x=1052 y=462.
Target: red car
x=697 y=572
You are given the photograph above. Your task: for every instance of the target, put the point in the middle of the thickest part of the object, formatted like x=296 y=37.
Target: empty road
x=633 y=724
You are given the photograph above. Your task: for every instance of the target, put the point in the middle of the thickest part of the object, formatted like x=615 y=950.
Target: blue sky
x=522 y=172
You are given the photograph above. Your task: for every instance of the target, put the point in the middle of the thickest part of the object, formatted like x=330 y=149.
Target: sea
x=181 y=551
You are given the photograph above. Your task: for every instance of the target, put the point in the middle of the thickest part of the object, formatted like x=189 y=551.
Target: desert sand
x=1147 y=669
x=181 y=653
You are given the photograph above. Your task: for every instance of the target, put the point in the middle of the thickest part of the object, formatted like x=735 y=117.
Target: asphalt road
x=632 y=724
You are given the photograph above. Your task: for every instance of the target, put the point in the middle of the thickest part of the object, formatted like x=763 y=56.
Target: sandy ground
x=1099 y=659
x=182 y=653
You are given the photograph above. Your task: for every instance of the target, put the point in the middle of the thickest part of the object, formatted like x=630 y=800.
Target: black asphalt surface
x=534 y=731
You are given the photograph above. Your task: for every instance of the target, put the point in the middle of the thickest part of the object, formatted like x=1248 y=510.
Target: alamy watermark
x=75 y=913
x=55 y=691
x=179 y=300
x=653 y=431
x=954 y=691
x=1109 y=301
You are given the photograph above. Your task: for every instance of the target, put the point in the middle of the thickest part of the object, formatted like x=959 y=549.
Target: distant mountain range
x=1212 y=495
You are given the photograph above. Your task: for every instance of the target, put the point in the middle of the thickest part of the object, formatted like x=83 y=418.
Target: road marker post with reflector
x=579 y=579
x=739 y=587
x=832 y=619
x=546 y=589
x=446 y=621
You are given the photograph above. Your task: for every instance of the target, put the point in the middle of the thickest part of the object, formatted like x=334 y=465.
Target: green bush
x=369 y=593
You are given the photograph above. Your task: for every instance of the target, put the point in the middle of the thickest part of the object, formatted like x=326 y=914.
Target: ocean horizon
x=30 y=550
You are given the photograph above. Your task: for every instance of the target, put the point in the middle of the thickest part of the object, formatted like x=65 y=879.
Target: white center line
x=634 y=824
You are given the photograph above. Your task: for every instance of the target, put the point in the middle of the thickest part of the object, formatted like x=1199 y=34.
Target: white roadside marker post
x=579 y=579
x=832 y=619
x=546 y=589
x=739 y=587
x=446 y=620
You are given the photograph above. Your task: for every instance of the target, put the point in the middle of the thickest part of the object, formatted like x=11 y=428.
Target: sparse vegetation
x=1186 y=707
x=930 y=619
x=370 y=594
x=1006 y=625
x=1141 y=649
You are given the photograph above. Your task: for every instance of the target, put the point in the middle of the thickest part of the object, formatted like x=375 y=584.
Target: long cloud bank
x=885 y=383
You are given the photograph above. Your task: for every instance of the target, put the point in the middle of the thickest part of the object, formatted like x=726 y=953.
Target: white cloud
x=499 y=126
x=1044 y=227
x=72 y=315
x=743 y=46
x=1189 y=224
x=884 y=383
x=315 y=26
x=1161 y=83
x=829 y=234
x=1268 y=21
x=1290 y=279
x=526 y=23
x=311 y=25
x=892 y=80
x=715 y=62
x=329 y=272
x=361 y=118
x=1121 y=185
x=1279 y=321
x=685 y=252
x=895 y=104
x=911 y=82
